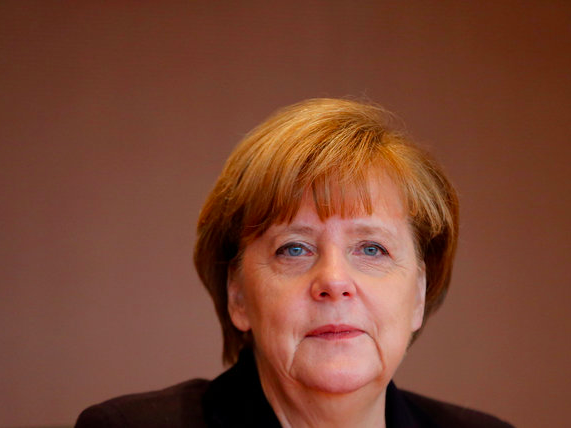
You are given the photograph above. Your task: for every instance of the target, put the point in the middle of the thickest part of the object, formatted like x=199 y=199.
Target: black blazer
x=235 y=399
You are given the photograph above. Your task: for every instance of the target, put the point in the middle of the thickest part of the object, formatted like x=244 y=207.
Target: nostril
x=323 y=294
x=346 y=293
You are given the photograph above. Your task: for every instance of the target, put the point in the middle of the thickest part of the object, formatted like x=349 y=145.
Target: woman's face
x=331 y=304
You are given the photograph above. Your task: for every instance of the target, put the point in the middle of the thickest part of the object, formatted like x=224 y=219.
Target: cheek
x=272 y=308
x=393 y=311
x=277 y=329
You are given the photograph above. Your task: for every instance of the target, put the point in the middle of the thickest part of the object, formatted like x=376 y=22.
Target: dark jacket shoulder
x=450 y=415
x=172 y=407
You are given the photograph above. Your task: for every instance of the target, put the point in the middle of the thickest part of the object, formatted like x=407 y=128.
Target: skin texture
x=332 y=305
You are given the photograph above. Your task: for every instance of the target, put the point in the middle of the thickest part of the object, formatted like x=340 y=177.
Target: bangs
x=336 y=178
x=336 y=194
x=346 y=197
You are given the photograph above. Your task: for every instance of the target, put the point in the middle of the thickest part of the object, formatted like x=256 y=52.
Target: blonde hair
x=326 y=146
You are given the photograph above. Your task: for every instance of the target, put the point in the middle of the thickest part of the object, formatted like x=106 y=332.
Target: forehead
x=376 y=195
x=386 y=209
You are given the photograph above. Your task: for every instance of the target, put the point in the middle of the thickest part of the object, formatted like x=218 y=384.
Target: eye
x=294 y=249
x=372 y=249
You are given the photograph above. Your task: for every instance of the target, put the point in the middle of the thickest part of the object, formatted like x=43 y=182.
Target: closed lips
x=332 y=331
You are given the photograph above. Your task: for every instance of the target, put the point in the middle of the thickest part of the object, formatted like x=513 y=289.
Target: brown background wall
x=117 y=116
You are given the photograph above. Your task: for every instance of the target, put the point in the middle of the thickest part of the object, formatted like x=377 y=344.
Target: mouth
x=335 y=332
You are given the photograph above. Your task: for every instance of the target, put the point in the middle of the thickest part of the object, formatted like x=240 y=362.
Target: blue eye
x=292 y=250
x=374 y=250
x=370 y=250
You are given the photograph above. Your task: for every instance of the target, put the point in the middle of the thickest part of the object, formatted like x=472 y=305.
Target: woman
x=326 y=242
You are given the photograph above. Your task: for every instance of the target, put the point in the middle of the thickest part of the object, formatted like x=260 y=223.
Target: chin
x=332 y=378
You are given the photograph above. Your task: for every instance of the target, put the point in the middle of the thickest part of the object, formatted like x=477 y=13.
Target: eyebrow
x=299 y=229
x=359 y=229
x=363 y=229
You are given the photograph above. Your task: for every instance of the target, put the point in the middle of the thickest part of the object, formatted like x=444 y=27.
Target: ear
x=236 y=301
x=418 y=314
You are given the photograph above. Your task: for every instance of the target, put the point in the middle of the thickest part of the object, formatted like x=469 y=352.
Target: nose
x=332 y=279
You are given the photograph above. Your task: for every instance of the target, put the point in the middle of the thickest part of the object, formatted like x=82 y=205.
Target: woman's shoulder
x=451 y=415
x=176 y=406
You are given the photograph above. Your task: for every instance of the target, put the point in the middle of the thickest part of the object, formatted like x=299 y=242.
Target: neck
x=301 y=407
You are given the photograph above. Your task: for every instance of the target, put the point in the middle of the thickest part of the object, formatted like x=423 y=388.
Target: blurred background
x=116 y=118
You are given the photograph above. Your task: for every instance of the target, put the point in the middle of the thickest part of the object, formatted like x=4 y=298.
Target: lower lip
x=337 y=335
